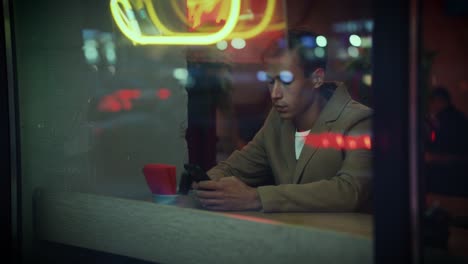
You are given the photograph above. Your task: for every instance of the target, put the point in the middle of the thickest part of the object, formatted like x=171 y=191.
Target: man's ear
x=317 y=77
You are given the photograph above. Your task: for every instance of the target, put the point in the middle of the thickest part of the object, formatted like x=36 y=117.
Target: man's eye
x=270 y=80
x=286 y=77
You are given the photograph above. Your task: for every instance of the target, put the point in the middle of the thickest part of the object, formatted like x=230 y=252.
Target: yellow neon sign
x=277 y=26
x=155 y=19
x=250 y=33
x=267 y=16
x=127 y=23
x=157 y=22
x=198 y=7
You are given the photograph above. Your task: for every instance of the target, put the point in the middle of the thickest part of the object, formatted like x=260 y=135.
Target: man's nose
x=276 y=91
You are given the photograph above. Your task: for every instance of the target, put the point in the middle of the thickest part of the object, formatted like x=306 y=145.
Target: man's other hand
x=227 y=194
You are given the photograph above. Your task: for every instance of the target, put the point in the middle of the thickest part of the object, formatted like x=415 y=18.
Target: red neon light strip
x=338 y=141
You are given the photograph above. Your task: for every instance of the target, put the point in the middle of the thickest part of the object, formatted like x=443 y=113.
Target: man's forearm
x=256 y=202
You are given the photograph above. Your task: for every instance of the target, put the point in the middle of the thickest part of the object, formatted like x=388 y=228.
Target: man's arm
x=344 y=192
x=250 y=164
x=228 y=193
x=234 y=193
x=231 y=188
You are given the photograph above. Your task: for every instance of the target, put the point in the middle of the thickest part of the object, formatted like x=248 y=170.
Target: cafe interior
x=100 y=97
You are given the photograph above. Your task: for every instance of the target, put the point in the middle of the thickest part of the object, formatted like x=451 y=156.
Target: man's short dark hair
x=442 y=93
x=304 y=43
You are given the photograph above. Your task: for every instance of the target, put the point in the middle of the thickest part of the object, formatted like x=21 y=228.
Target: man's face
x=291 y=92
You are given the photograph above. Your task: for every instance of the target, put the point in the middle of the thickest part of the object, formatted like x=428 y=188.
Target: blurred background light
x=309 y=54
x=319 y=52
x=262 y=76
x=367 y=79
x=321 y=41
x=222 y=45
x=355 y=40
x=110 y=55
x=353 y=26
x=238 y=43
x=308 y=41
x=91 y=55
x=366 y=42
x=163 y=93
x=342 y=54
x=180 y=73
x=111 y=69
x=353 y=52
x=122 y=12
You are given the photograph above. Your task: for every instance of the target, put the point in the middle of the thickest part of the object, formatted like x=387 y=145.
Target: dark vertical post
x=415 y=115
x=9 y=178
x=396 y=146
x=5 y=178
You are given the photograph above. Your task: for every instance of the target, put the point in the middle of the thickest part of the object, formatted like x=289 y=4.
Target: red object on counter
x=161 y=178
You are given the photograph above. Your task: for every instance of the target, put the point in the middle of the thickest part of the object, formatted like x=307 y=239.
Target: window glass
x=445 y=97
x=111 y=91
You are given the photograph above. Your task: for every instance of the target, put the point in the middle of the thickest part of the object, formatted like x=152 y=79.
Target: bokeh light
x=180 y=73
x=163 y=93
x=262 y=76
x=367 y=79
x=321 y=41
x=119 y=100
x=353 y=52
x=355 y=40
x=238 y=43
x=222 y=45
x=91 y=55
x=319 y=52
x=366 y=42
x=308 y=41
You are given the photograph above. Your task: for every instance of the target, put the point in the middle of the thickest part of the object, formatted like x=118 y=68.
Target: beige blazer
x=322 y=179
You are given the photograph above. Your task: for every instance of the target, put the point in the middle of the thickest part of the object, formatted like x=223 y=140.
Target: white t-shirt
x=299 y=141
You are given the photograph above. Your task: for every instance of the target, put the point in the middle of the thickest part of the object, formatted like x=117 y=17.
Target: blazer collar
x=335 y=104
x=287 y=139
x=330 y=113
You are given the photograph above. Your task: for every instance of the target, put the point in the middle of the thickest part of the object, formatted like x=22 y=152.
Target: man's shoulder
x=356 y=110
x=354 y=105
x=355 y=116
x=349 y=107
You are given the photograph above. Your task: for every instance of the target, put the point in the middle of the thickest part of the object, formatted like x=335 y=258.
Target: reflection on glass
x=445 y=126
x=194 y=22
x=133 y=83
x=124 y=17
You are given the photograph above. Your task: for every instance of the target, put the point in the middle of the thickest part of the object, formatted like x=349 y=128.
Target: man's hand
x=227 y=194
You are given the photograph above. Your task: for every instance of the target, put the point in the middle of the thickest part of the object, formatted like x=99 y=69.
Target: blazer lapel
x=330 y=113
x=287 y=144
x=308 y=151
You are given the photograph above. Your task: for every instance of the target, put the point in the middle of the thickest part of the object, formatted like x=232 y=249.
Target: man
x=277 y=171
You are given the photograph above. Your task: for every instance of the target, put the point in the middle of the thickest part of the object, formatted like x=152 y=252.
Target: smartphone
x=192 y=173
x=196 y=173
